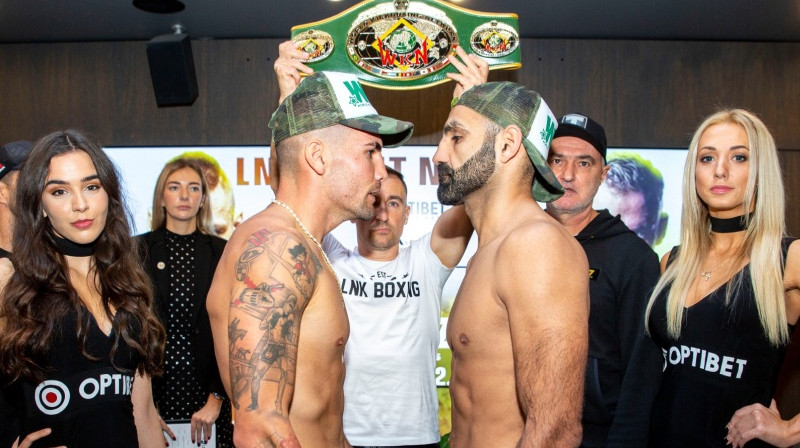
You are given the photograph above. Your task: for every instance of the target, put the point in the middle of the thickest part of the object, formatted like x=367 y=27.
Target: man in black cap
x=622 y=272
x=12 y=156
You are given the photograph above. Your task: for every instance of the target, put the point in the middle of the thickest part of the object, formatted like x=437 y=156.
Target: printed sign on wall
x=643 y=186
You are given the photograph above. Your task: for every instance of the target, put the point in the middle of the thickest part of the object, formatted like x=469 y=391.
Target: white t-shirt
x=394 y=309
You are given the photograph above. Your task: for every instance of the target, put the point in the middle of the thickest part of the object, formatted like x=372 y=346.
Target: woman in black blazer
x=180 y=258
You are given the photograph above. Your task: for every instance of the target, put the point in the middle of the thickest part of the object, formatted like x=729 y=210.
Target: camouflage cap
x=328 y=98
x=507 y=103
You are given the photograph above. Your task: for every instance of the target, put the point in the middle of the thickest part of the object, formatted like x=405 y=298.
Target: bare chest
x=324 y=328
x=478 y=318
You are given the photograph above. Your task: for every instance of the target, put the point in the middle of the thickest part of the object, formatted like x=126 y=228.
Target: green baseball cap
x=328 y=98
x=507 y=103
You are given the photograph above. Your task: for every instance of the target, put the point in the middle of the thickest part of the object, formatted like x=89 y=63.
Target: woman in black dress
x=723 y=308
x=180 y=257
x=78 y=337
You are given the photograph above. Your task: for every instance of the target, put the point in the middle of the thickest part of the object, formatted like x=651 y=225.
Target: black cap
x=584 y=128
x=13 y=155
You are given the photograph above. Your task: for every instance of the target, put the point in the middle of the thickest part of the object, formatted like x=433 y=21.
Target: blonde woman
x=180 y=257
x=722 y=309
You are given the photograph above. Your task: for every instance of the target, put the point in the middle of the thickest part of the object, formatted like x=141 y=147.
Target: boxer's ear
x=509 y=142
x=316 y=155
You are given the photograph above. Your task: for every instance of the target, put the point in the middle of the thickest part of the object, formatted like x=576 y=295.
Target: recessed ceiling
x=105 y=20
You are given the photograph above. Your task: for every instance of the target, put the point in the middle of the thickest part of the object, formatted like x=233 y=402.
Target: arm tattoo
x=275 y=309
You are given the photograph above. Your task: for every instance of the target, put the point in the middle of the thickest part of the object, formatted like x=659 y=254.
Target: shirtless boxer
x=277 y=314
x=518 y=327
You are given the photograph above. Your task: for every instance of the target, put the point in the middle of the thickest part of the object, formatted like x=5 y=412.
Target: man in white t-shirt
x=393 y=295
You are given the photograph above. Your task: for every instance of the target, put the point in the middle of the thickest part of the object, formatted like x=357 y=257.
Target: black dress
x=182 y=395
x=9 y=429
x=86 y=403
x=181 y=267
x=721 y=362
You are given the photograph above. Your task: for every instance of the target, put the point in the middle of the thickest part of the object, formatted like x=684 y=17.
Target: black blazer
x=153 y=251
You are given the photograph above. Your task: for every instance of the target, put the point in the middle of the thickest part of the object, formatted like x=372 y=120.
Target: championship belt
x=407 y=44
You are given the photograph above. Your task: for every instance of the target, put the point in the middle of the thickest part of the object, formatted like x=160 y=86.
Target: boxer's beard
x=456 y=185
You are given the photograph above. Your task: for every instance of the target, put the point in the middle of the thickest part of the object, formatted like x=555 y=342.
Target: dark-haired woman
x=77 y=332
x=180 y=258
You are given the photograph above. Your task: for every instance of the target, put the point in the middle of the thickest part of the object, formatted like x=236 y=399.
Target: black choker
x=728 y=225
x=73 y=249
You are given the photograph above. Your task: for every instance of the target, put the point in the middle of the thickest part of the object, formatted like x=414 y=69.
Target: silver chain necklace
x=707 y=274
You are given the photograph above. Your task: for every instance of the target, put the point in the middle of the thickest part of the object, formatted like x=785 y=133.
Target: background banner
x=644 y=185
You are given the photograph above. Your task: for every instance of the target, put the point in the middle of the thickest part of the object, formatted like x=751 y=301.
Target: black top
x=182 y=394
x=86 y=403
x=623 y=271
x=9 y=427
x=208 y=250
x=721 y=362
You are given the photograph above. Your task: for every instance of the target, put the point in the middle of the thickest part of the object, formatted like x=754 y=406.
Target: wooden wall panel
x=790 y=163
x=646 y=93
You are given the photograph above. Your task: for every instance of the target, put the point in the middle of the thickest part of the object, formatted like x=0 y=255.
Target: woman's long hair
x=159 y=217
x=39 y=292
x=765 y=227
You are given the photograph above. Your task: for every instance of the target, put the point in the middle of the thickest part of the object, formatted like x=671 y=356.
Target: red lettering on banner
x=428 y=172
x=240 y=172
x=259 y=171
x=397 y=163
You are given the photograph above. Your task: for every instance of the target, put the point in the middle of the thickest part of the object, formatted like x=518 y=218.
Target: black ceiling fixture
x=159 y=6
